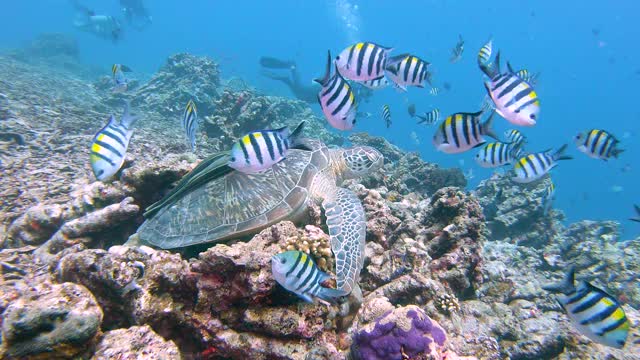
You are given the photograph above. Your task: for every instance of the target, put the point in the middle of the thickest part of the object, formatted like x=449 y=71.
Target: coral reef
x=438 y=260
x=401 y=333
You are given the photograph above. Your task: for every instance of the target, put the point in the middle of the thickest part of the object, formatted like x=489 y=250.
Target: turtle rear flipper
x=347 y=230
x=211 y=168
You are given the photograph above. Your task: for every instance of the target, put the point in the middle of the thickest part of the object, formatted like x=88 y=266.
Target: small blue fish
x=296 y=272
x=386 y=115
x=456 y=52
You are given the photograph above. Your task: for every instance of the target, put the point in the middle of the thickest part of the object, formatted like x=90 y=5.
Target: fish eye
x=100 y=172
x=532 y=116
x=284 y=261
x=338 y=57
x=354 y=121
x=233 y=159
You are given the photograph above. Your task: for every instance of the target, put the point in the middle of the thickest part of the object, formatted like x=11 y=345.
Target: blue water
x=587 y=80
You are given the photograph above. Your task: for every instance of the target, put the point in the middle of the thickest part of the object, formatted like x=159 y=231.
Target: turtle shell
x=238 y=204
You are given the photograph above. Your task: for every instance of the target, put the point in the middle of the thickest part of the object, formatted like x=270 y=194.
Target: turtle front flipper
x=347 y=230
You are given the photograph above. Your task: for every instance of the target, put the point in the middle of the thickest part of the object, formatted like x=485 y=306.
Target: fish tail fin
x=127 y=119
x=567 y=284
x=295 y=138
x=327 y=74
x=557 y=155
x=637 y=208
x=330 y=295
x=616 y=152
x=422 y=119
x=392 y=62
x=487 y=127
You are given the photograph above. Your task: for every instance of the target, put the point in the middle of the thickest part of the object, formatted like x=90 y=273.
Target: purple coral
x=406 y=331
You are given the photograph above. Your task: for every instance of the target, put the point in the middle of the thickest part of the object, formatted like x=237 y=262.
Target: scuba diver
x=104 y=26
x=307 y=93
x=136 y=13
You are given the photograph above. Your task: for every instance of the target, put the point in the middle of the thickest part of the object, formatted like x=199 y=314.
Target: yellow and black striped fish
x=296 y=272
x=429 y=118
x=337 y=100
x=549 y=196
x=497 y=154
x=534 y=166
x=119 y=80
x=260 y=150
x=528 y=76
x=434 y=91
x=516 y=137
x=462 y=131
x=376 y=84
x=514 y=98
x=484 y=54
x=598 y=144
x=595 y=313
x=190 y=123
x=386 y=115
x=110 y=144
x=407 y=70
x=362 y=61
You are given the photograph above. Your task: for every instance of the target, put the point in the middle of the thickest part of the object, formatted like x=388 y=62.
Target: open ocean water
x=586 y=52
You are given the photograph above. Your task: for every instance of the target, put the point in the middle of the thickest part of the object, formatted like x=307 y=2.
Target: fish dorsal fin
x=590 y=287
x=510 y=68
x=393 y=63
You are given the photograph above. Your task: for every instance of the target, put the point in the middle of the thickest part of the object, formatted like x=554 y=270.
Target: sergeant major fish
x=337 y=100
x=514 y=98
x=595 y=313
x=462 y=131
x=110 y=144
x=516 y=137
x=528 y=76
x=484 y=54
x=296 y=272
x=407 y=70
x=549 y=196
x=376 y=84
x=429 y=118
x=190 y=123
x=260 y=150
x=534 y=166
x=386 y=115
x=362 y=61
x=120 y=83
x=598 y=144
x=497 y=154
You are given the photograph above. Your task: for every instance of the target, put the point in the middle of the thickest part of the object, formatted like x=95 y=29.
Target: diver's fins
x=274 y=63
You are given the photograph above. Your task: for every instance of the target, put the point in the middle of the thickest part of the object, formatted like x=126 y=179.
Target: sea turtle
x=215 y=202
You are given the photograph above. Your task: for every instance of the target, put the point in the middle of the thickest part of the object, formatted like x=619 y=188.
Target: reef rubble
x=449 y=274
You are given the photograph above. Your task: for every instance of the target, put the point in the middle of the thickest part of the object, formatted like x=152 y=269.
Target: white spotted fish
x=535 y=166
x=462 y=131
x=407 y=70
x=429 y=118
x=120 y=83
x=497 y=154
x=297 y=272
x=110 y=144
x=598 y=144
x=362 y=61
x=260 y=150
x=594 y=312
x=514 y=99
x=190 y=123
x=337 y=100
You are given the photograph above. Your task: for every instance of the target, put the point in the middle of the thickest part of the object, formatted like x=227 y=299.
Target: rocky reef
x=448 y=274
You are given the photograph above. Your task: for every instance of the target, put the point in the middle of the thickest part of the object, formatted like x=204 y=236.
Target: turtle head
x=360 y=161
